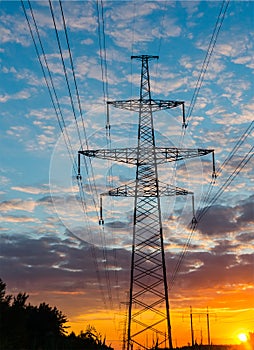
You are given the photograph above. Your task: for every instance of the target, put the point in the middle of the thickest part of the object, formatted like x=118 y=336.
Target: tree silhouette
x=92 y=339
x=24 y=326
x=5 y=316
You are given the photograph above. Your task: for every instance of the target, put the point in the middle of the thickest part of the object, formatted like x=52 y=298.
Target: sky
x=52 y=246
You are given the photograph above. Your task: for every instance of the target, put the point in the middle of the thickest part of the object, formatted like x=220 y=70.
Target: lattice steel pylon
x=148 y=311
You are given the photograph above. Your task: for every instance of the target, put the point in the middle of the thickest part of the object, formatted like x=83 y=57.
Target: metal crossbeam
x=129 y=190
x=130 y=155
x=153 y=105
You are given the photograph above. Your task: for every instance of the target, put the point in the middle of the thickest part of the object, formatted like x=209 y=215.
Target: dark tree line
x=27 y=327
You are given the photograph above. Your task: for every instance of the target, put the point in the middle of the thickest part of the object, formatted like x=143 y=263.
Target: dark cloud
x=224 y=247
x=210 y=272
x=47 y=200
x=51 y=264
x=220 y=220
x=246 y=210
x=245 y=237
x=118 y=224
x=80 y=277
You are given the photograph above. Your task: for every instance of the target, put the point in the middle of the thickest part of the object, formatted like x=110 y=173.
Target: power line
x=69 y=90
x=232 y=176
x=53 y=95
x=104 y=77
x=65 y=72
x=194 y=224
x=73 y=71
x=56 y=104
x=91 y=185
x=230 y=156
x=102 y=49
x=209 y=52
x=236 y=146
x=208 y=56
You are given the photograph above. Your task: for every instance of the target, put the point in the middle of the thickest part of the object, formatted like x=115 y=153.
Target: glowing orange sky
x=230 y=313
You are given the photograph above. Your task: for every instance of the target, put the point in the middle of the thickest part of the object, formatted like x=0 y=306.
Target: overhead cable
x=193 y=225
x=73 y=72
x=49 y=83
x=104 y=76
x=65 y=73
x=208 y=56
x=230 y=156
x=91 y=185
x=56 y=105
x=225 y=185
x=209 y=52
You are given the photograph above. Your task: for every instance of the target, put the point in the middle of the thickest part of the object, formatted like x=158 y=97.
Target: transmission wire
x=237 y=145
x=69 y=90
x=193 y=225
x=103 y=65
x=92 y=186
x=206 y=61
x=237 y=170
x=65 y=72
x=61 y=124
x=73 y=73
x=213 y=40
x=62 y=128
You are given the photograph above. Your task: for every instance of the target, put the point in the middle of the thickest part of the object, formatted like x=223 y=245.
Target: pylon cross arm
x=154 y=105
x=130 y=155
x=129 y=190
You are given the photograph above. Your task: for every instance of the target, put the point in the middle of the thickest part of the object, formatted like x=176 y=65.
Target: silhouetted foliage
x=27 y=327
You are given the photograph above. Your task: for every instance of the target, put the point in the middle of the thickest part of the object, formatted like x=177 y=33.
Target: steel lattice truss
x=148 y=314
x=130 y=155
x=154 y=105
x=143 y=190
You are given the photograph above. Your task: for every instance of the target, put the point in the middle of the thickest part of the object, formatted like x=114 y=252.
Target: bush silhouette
x=27 y=327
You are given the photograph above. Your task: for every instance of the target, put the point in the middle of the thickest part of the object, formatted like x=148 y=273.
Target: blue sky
x=45 y=233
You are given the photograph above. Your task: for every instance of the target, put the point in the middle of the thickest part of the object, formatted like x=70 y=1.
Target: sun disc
x=242 y=337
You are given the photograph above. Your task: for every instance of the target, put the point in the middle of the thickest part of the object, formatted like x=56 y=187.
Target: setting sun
x=242 y=337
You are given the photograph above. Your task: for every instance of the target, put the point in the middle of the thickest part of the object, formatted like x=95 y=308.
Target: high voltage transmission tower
x=148 y=307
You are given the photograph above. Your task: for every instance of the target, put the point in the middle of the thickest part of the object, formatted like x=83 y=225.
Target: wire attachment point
x=194 y=221
x=101 y=221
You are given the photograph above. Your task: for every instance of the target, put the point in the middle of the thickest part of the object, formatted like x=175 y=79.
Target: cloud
x=81 y=17
x=225 y=219
x=41 y=115
x=4 y=180
x=18 y=219
x=190 y=7
x=245 y=60
x=245 y=211
x=245 y=237
x=19 y=132
x=31 y=190
x=18 y=204
x=131 y=28
x=8 y=35
x=21 y=95
x=62 y=266
x=26 y=75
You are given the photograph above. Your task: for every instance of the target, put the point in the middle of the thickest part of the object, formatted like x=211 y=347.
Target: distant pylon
x=148 y=314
